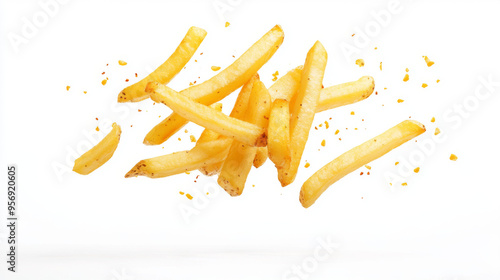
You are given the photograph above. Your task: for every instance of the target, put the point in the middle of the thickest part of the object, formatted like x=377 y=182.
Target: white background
x=444 y=225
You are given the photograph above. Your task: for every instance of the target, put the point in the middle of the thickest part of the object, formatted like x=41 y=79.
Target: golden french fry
x=260 y=157
x=99 y=154
x=278 y=131
x=357 y=157
x=302 y=108
x=222 y=84
x=346 y=93
x=201 y=155
x=171 y=67
x=239 y=109
x=239 y=160
x=207 y=117
x=330 y=97
x=208 y=135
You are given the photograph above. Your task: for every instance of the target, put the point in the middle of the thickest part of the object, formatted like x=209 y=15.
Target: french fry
x=302 y=108
x=357 y=157
x=167 y=71
x=207 y=117
x=201 y=155
x=240 y=158
x=346 y=93
x=260 y=157
x=99 y=154
x=222 y=84
x=239 y=109
x=208 y=135
x=286 y=86
x=278 y=141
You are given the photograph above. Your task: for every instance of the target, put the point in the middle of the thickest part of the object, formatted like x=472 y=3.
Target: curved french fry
x=179 y=162
x=357 y=157
x=222 y=84
x=239 y=160
x=171 y=67
x=207 y=117
x=302 y=108
x=278 y=133
x=99 y=154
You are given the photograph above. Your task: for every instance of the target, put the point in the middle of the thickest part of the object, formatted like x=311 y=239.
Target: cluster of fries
x=264 y=122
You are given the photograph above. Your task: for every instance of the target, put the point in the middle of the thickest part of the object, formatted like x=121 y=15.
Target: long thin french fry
x=357 y=157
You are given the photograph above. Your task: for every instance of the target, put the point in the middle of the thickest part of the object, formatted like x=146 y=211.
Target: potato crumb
x=428 y=61
x=193 y=139
x=67 y=88
x=352 y=113
x=227 y=24
x=181 y=193
x=179 y=139
x=437 y=131
x=400 y=101
x=353 y=34
x=327 y=125
x=397 y=162
x=103 y=82
x=189 y=196
x=360 y=62
x=368 y=167
x=323 y=143
x=84 y=92
x=416 y=170
x=424 y=85
x=215 y=68
x=404 y=184
x=122 y=63
x=337 y=132
x=97 y=128
x=361 y=173
x=380 y=65
x=187 y=172
x=320 y=125
x=307 y=165
x=438 y=80
x=407 y=70
x=453 y=157
x=185 y=131
x=433 y=119
x=406 y=78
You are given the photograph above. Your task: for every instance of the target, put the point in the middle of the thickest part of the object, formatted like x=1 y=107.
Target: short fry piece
x=357 y=157
x=201 y=155
x=240 y=158
x=99 y=154
x=278 y=141
x=167 y=71
x=303 y=108
x=207 y=117
x=346 y=93
x=222 y=84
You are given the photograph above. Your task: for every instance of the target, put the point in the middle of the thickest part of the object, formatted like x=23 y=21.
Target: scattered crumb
x=307 y=165
x=397 y=162
x=67 y=88
x=179 y=139
x=437 y=131
x=400 y=101
x=193 y=139
x=323 y=143
x=97 y=128
x=139 y=110
x=327 y=125
x=424 y=85
x=103 y=82
x=275 y=76
x=85 y=92
x=227 y=24
x=367 y=173
x=438 y=80
x=187 y=172
x=428 y=61
x=375 y=48
x=416 y=170
x=136 y=75
x=407 y=70
x=406 y=78
x=353 y=34
x=433 y=119
x=380 y=65
x=352 y=113
x=453 y=157
x=215 y=68
x=189 y=196
x=185 y=131
x=360 y=62
x=122 y=63
x=368 y=167
x=126 y=80
x=404 y=184
x=320 y=125
x=337 y=132
x=181 y=193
